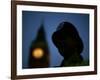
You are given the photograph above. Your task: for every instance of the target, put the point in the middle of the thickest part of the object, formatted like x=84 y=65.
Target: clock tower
x=39 y=53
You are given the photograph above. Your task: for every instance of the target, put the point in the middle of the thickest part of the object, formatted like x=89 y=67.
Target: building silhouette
x=39 y=53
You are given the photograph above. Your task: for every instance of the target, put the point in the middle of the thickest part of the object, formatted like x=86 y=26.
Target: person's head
x=66 y=38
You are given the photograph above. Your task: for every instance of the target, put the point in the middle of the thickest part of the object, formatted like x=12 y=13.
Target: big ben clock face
x=38 y=53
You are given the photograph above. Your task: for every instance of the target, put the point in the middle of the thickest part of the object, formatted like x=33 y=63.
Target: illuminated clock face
x=37 y=53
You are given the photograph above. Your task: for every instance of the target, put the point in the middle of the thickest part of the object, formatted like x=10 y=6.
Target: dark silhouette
x=40 y=44
x=67 y=39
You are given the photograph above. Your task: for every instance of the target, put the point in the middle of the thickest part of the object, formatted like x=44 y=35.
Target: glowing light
x=37 y=53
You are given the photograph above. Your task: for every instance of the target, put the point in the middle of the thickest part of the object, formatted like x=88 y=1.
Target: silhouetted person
x=67 y=39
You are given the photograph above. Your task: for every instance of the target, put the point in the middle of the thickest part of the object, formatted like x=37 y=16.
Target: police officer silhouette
x=69 y=44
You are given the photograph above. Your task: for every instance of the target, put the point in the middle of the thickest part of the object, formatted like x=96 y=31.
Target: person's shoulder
x=83 y=63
